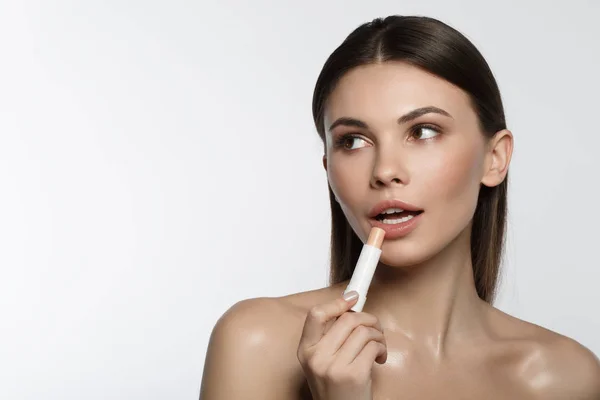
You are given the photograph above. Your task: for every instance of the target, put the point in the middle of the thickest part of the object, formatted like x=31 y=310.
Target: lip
x=385 y=204
x=396 y=231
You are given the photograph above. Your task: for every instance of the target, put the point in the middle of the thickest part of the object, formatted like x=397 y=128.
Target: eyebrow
x=414 y=114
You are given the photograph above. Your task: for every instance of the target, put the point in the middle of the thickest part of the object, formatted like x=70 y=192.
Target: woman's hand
x=337 y=350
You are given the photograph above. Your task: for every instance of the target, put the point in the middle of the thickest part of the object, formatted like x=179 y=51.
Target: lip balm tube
x=365 y=267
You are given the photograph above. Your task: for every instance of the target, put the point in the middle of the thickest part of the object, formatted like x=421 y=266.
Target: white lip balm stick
x=365 y=267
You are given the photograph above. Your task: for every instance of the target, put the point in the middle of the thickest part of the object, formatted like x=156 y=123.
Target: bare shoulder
x=551 y=365
x=265 y=318
x=247 y=356
x=565 y=369
x=252 y=351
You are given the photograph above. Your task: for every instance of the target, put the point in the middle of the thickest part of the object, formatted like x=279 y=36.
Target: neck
x=431 y=304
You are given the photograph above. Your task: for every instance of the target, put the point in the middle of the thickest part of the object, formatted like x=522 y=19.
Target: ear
x=500 y=148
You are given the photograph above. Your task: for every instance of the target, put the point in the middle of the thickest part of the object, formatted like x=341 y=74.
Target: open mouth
x=394 y=216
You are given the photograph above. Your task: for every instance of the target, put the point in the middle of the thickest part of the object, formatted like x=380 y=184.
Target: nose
x=389 y=168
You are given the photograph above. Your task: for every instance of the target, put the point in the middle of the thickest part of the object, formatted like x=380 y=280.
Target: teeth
x=397 y=221
x=392 y=211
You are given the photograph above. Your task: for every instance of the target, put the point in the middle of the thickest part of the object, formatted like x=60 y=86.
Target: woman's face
x=434 y=162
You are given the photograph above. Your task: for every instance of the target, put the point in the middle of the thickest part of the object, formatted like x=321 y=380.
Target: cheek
x=347 y=176
x=454 y=182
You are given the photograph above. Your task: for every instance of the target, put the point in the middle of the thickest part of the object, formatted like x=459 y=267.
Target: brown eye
x=351 y=142
x=425 y=132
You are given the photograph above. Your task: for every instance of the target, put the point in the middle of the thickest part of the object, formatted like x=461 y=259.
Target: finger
x=357 y=341
x=343 y=328
x=329 y=324
x=373 y=351
x=319 y=315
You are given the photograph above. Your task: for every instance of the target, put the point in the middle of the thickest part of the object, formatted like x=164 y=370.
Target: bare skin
x=253 y=355
x=442 y=340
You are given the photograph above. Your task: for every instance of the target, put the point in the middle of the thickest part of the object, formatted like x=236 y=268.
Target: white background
x=158 y=163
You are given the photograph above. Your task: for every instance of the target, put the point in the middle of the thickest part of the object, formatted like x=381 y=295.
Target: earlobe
x=499 y=156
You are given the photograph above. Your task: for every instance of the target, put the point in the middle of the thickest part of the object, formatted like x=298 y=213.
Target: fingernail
x=351 y=295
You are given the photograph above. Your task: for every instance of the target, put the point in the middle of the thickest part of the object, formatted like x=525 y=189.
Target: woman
x=415 y=138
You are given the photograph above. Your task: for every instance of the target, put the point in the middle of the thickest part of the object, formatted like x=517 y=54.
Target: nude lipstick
x=365 y=267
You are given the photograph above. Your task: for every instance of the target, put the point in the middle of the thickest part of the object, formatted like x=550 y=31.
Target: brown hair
x=433 y=46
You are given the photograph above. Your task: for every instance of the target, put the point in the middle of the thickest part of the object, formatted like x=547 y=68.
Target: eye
x=350 y=142
x=425 y=132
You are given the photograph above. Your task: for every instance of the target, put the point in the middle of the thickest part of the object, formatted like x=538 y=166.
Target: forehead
x=390 y=89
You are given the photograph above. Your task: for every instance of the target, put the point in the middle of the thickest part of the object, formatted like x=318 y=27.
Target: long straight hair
x=433 y=46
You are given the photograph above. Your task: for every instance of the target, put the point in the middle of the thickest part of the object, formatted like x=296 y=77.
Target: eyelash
x=340 y=140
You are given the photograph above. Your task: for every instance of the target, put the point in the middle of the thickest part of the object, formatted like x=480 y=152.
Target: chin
x=402 y=259
x=398 y=256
